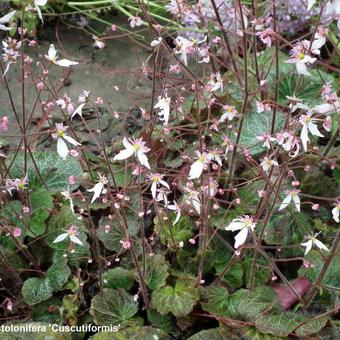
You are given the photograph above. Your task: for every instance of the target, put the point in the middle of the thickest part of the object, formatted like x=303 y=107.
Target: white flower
x=156 y=42
x=37 y=4
x=312 y=240
x=175 y=207
x=98 y=43
x=336 y=213
x=216 y=82
x=61 y=137
x=67 y=196
x=192 y=197
x=244 y=224
x=98 y=188
x=135 y=21
x=83 y=99
x=53 y=56
x=183 y=48
x=161 y=196
x=310 y=4
x=215 y=156
x=5 y=20
x=157 y=180
x=300 y=57
x=267 y=164
x=134 y=147
x=291 y=195
x=333 y=9
x=72 y=233
x=265 y=138
x=199 y=165
x=163 y=105
x=308 y=125
x=229 y=112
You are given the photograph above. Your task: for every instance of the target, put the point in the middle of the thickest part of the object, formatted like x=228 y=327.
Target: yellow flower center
x=60 y=133
x=300 y=56
x=21 y=186
x=137 y=146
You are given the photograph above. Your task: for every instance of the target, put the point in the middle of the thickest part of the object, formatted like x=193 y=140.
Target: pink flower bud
x=316 y=206
x=16 y=232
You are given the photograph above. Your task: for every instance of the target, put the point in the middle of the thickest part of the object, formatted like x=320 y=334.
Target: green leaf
x=58 y=275
x=52 y=168
x=281 y=324
x=157 y=272
x=113 y=307
x=211 y=334
x=287 y=228
x=178 y=300
x=112 y=235
x=332 y=276
x=133 y=333
x=36 y=290
x=164 y=322
x=41 y=202
x=256 y=123
x=181 y=231
x=312 y=326
x=260 y=300
x=58 y=224
x=215 y=300
x=118 y=278
x=47 y=311
x=234 y=277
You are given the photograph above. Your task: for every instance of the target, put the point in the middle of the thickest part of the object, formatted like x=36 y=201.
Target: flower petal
x=143 y=159
x=62 y=148
x=233 y=226
x=60 y=238
x=75 y=239
x=66 y=63
x=320 y=245
x=71 y=140
x=285 y=202
x=296 y=200
x=124 y=154
x=304 y=136
x=241 y=237
x=313 y=128
x=97 y=190
x=196 y=169
x=308 y=246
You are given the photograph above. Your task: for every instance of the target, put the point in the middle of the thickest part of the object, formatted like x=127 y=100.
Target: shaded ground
x=112 y=73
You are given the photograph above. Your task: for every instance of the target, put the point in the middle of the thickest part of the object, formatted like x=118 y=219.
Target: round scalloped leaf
x=215 y=300
x=58 y=275
x=178 y=300
x=311 y=327
x=157 y=272
x=118 y=278
x=211 y=334
x=113 y=307
x=36 y=290
x=261 y=299
x=279 y=324
x=256 y=123
x=52 y=168
x=332 y=276
x=112 y=236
